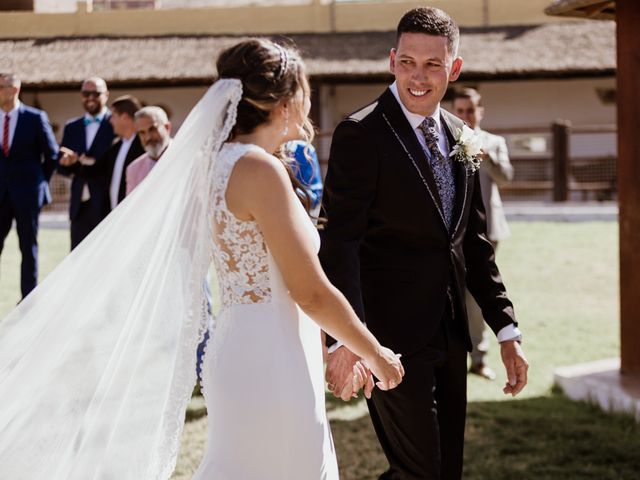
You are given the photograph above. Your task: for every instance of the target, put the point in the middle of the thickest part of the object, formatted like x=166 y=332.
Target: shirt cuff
x=334 y=347
x=510 y=332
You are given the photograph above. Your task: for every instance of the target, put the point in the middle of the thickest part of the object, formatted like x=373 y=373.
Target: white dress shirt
x=118 y=169
x=415 y=120
x=510 y=332
x=13 y=121
x=90 y=132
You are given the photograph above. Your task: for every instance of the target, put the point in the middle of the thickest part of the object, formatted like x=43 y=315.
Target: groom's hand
x=340 y=373
x=516 y=365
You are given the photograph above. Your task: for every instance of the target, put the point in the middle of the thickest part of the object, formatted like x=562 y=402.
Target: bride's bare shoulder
x=257 y=168
x=258 y=179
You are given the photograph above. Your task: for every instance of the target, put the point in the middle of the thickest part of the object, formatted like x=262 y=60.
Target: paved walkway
x=561 y=212
x=516 y=211
x=54 y=220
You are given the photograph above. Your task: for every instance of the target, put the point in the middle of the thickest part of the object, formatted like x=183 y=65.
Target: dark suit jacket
x=385 y=244
x=74 y=137
x=107 y=164
x=25 y=173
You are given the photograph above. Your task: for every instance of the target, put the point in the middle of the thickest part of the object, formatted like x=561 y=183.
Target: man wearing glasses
x=84 y=142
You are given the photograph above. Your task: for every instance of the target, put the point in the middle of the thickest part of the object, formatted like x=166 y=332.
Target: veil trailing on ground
x=97 y=364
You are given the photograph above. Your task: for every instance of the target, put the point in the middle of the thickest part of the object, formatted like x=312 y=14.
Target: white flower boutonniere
x=467 y=149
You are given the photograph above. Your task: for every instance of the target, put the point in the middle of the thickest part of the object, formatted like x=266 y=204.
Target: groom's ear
x=392 y=60
x=456 y=68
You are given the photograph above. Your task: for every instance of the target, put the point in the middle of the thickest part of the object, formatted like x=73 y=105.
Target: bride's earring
x=286 y=122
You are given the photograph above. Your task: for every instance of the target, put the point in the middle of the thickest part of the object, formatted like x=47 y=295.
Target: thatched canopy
x=495 y=53
x=599 y=9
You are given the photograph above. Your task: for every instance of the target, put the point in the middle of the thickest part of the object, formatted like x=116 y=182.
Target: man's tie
x=441 y=168
x=5 y=135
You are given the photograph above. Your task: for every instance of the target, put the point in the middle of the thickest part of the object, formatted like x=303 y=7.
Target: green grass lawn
x=563 y=279
x=53 y=245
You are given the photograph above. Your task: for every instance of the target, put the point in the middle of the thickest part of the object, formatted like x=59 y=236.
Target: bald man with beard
x=85 y=140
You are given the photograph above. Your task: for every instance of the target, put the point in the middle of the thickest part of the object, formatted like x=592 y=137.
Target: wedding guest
x=307 y=170
x=84 y=142
x=154 y=131
x=495 y=170
x=28 y=158
x=125 y=150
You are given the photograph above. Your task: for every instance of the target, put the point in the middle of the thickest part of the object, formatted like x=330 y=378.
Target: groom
x=405 y=234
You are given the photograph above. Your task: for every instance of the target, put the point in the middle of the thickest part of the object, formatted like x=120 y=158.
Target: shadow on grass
x=545 y=438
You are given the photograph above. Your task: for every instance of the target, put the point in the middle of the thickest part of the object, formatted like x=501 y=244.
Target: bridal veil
x=97 y=364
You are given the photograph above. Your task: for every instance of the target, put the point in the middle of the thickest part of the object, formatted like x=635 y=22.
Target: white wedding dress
x=263 y=371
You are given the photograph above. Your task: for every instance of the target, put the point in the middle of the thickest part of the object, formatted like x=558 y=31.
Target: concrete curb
x=515 y=212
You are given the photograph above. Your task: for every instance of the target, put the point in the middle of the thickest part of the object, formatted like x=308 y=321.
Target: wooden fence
x=544 y=166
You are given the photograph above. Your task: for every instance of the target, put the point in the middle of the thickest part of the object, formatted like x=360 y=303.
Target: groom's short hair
x=431 y=21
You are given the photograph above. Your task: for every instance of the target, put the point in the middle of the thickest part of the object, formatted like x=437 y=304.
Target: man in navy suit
x=85 y=141
x=28 y=158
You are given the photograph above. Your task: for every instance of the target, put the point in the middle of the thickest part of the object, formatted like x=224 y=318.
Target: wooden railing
x=554 y=174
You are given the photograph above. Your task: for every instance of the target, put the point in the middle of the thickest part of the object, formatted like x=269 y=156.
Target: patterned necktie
x=441 y=168
x=5 y=135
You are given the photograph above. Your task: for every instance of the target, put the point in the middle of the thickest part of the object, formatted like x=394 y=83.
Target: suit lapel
x=134 y=152
x=101 y=129
x=19 y=127
x=82 y=134
x=459 y=169
x=399 y=125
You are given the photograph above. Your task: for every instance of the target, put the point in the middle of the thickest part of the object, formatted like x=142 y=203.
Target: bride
x=96 y=365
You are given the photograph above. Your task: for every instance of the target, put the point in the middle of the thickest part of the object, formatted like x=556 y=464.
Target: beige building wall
x=530 y=104
x=509 y=105
x=312 y=16
x=515 y=104
x=527 y=103
x=64 y=105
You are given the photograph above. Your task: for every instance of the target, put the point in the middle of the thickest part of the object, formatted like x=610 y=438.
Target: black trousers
x=420 y=424
x=26 y=217
x=83 y=223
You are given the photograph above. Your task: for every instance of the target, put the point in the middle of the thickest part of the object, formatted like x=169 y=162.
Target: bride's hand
x=386 y=366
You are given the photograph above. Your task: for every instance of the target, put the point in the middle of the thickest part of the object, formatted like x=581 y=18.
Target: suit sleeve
x=498 y=165
x=483 y=277
x=87 y=171
x=349 y=191
x=73 y=169
x=48 y=147
x=100 y=169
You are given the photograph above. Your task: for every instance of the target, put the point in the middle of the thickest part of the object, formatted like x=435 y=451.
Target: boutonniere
x=467 y=149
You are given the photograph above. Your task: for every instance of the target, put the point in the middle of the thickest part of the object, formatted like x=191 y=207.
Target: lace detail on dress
x=239 y=251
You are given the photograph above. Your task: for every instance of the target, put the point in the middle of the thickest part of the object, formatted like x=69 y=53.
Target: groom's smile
x=418 y=93
x=423 y=66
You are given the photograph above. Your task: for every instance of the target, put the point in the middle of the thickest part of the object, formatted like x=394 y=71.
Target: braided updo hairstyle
x=270 y=74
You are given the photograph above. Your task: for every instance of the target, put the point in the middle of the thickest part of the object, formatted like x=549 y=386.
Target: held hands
x=67 y=157
x=516 y=365
x=347 y=373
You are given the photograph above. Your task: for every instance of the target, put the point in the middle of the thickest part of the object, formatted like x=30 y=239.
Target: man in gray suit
x=495 y=170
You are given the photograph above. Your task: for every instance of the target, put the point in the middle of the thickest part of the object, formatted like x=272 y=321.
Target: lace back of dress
x=239 y=251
